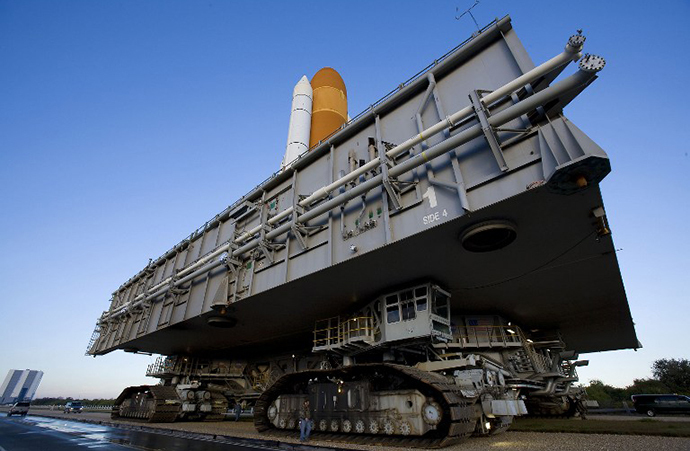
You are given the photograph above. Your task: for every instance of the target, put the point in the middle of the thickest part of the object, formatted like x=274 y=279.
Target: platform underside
x=557 y=274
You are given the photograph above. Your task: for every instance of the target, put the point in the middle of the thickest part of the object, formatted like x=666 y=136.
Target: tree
x=651 y=386
x=674 y=373
x=605 y=395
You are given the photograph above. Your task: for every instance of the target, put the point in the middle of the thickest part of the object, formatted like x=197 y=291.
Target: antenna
x=468 y=11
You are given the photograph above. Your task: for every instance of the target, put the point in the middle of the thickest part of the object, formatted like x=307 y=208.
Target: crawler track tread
x=459 y=410
x=220 y=406
x=166 y=405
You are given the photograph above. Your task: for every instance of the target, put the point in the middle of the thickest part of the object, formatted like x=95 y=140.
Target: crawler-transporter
x=428 y=271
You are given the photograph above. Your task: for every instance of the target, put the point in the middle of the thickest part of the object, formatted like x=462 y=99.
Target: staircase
x=522 y=362
x=94 y=336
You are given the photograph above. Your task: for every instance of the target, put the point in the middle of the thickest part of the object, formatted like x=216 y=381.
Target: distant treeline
x=670 y=376
x=61 y=401
x=613 y=397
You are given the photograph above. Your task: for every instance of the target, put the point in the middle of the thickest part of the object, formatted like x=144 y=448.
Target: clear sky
x=126 y=124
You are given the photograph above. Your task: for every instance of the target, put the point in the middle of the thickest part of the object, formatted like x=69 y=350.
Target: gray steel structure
x=20 y=385
x=312 y=242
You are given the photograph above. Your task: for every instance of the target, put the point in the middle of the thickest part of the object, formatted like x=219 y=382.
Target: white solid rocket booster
x=300 y=122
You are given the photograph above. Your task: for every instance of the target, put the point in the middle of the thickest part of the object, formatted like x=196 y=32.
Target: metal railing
x=86 y=407
x=333 y=332
x=326 y=332
x=491 y=336
x=162 y=365
x=502 y=337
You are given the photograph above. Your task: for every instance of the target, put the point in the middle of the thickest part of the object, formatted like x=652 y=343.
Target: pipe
x=186 y=270
x=548 y=390
x=162 y=290
x=572 y=52
x=203 y=260
x=204 y=269
x=275 y=219
x=427 y=94
x=163 y=286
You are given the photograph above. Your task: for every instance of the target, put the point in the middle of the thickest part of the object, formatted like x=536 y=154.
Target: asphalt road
x=243 y=435
x=49 y=434
x=17 y=434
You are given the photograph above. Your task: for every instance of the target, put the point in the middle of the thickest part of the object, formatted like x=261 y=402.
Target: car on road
x=73 y=407
x=654 y=404
x=19 y=408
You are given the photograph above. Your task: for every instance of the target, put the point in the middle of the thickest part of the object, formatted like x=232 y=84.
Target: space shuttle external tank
x=330 y=104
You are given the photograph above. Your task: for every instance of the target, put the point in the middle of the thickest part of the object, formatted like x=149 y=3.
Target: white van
x=19 y=408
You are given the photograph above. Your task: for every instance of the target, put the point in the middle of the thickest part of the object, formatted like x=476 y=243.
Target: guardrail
x=87 y=408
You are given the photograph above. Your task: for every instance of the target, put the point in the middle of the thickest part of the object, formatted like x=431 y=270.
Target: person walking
x=238 y=411
x=305 y=421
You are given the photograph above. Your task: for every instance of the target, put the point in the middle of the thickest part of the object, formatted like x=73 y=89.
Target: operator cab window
x=392 y=309
x=408 y=312
x=440 y=305
x=421 y=296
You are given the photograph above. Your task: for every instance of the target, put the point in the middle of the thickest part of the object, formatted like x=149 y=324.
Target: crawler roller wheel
x=405 y=428
x=387 y=426
x=360 y=427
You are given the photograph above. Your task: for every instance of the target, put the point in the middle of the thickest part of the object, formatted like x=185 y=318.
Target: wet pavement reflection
x=41 y=434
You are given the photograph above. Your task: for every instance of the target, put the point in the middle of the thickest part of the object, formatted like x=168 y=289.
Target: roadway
x=65 y=432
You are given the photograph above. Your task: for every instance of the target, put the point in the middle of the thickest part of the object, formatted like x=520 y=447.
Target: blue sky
x=124 y=125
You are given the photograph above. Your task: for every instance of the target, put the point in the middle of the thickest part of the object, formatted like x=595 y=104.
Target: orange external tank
x=329 y=110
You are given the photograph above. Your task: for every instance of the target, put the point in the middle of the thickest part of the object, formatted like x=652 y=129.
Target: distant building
x=20 y=385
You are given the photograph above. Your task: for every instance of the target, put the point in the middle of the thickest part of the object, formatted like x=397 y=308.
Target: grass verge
x=643 y=426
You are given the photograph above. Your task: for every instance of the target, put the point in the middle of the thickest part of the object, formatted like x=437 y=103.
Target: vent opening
x=488 y=236
x=223 y=322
